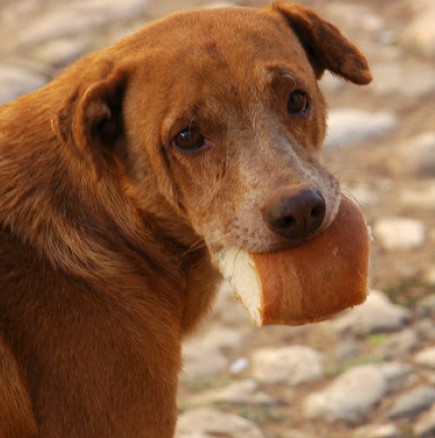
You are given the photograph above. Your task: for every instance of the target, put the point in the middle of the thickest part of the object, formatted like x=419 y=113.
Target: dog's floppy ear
x=326 y=47
x=92 y=119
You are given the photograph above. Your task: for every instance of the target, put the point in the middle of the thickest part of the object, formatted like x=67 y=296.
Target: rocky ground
x=369 y=373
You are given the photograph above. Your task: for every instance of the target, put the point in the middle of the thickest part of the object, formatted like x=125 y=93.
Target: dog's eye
x=189 y=140
x=298 y=103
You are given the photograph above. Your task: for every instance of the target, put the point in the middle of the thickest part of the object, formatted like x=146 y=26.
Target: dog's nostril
x=317 y=212
x=315 y=217
x=285 y=222
x=296 y=215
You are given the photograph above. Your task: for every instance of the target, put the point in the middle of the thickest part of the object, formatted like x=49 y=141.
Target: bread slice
x=307 y=283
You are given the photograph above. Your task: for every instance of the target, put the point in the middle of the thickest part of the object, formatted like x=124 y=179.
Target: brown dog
x=118 y=181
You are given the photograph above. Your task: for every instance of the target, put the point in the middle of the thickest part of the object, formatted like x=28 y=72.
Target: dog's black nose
x=296 y=214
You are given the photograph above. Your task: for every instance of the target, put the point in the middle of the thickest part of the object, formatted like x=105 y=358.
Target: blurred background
x=369 y=373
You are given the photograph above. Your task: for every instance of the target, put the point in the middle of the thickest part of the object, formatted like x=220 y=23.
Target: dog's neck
x=49 y=200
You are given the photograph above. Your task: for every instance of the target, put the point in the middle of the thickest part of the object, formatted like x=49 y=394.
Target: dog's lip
x=286 y=244
x=281 y=244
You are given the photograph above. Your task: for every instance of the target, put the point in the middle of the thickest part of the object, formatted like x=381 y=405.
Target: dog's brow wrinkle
x=272 y=72
x=234 y=91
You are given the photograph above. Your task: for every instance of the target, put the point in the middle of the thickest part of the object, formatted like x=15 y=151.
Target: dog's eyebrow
x=189 y=117
x=278 y=72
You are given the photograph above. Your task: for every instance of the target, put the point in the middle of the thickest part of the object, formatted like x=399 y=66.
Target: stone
x=219 y=4
x=242 y=392
x=425 y=329
x=426 y=357
x=222 y=338
x=399 y=233
x=419 y=35
x=415 y=157
x=293 y=365
x=296 y=434
x=202 y=362
x=228 y=308
x=355 y=16
x=426 y=306
x=378 y=431
x=390 y=77
x=400 y=344
x=59 y=22
x=203 y=355
x=395 y=374
x=363 y=194
x=429 y=276
x=425 y=425
x=421 y=199
x=330 y=83
x=377 y=314
x=413 y=402
x=113 y=10
x=16 y=80
x=346 y=351
x=239 y=365
x=350 y=397
x=80 y=17
x=61 y=51
x=349 y=126
x=210 y=423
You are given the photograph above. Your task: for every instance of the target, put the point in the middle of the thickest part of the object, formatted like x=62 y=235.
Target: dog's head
x=219 y=114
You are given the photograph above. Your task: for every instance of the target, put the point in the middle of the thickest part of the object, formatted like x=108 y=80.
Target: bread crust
x=319 y=278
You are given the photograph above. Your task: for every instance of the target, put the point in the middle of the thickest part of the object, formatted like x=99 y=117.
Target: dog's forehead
x=216 y=65
x=231 y=47
x=224 y=36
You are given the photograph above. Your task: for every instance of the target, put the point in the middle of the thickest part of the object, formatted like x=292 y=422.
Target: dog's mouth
x=285 y=223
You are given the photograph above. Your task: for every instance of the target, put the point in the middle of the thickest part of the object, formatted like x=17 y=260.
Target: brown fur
x=106 y=228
